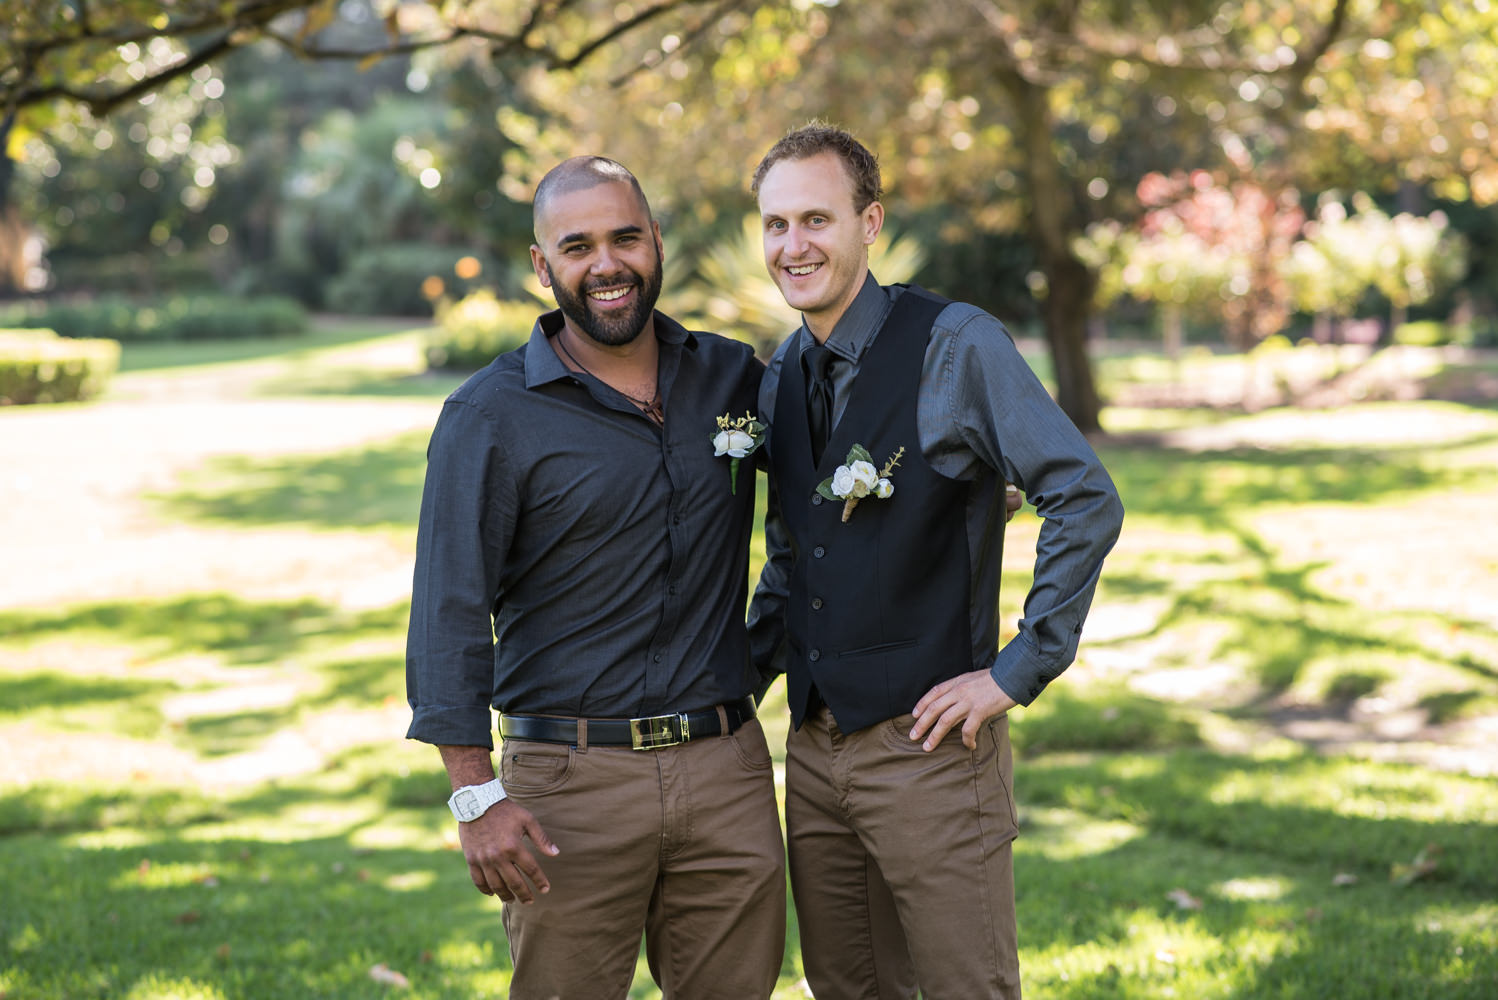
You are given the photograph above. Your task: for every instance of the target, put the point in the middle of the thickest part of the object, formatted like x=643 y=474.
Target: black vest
x=879 y=606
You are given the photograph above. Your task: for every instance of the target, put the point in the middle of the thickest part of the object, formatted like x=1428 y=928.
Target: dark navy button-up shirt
x=573 y=558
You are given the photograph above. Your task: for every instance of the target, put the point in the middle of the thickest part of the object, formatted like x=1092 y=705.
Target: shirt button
x=816 y=499
x=816 y=604
x=819 y=552
x=673 y=589
x=657 y=657
x=814 y=655
x=676 y=519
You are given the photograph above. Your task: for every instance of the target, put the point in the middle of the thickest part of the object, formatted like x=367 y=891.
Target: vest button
x=814 y=655
x=816 y=499
x=819 y=552
x=816 y=604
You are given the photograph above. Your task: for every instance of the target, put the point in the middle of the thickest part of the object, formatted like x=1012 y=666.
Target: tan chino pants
x=901 y=861
x=681 y=844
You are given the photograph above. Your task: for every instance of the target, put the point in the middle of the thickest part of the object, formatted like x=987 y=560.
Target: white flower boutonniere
x=737 y=437
x=858 y=479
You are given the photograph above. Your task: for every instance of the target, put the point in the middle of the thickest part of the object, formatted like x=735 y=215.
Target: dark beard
x=611 y=331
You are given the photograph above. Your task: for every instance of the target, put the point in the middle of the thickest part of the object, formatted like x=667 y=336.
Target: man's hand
x=499 y=860
x=1012 y=501
x=970 y=699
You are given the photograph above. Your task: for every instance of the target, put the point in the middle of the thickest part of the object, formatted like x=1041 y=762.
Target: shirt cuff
x=452 y=725
x=1021 y=672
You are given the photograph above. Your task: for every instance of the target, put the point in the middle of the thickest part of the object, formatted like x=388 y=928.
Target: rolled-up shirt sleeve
x=468 y=510
x=1005 y=416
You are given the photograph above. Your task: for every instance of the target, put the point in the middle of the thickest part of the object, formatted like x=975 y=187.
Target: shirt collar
x=855 y=329
x=542 y=364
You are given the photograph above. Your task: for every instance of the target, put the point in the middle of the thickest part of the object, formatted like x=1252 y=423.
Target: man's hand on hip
x=969 y=699
x=500 y=862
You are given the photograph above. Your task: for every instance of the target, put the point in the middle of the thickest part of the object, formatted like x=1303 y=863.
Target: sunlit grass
x=255 y=825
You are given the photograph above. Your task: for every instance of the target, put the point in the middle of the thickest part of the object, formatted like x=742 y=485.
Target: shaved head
x=579 y=174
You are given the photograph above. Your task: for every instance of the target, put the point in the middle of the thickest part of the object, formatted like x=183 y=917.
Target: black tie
x=818 y=361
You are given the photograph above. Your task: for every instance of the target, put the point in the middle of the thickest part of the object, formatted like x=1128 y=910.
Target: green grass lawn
x=1269 y=774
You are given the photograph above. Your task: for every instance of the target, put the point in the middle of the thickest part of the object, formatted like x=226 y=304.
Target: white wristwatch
x=472 y=801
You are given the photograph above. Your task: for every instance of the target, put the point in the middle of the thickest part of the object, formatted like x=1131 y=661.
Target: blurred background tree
x=341 y=151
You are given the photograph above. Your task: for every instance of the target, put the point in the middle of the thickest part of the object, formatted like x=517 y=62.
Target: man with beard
x=581 y=567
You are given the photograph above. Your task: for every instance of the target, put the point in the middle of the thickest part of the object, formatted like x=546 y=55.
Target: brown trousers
x=901 y=861
x=680 y=844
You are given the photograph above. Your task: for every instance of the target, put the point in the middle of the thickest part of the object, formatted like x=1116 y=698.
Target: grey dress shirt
x=980 y=412
x=572 y=558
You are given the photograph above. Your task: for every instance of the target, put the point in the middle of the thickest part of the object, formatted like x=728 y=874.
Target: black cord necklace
x=650 y=407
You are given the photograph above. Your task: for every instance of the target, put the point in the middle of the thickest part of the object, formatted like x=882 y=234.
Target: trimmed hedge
x=472 y=331
x=196 y=317
x=38 y=366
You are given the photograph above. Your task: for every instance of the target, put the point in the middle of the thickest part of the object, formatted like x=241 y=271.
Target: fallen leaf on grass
x=1183 y=899
x=1344 y=878
x=383 y=973
x=187 y=917
x=1424 y=864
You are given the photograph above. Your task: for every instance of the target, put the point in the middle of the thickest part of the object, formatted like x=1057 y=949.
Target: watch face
x=465 y=804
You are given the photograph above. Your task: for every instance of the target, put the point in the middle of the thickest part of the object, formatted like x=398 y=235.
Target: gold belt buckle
x=658 y=731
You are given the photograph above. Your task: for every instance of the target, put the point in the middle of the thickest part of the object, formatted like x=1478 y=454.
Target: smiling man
x=581 y=567
x=883 y=611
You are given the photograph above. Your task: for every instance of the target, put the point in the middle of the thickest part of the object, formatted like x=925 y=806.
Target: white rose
x=866 y=474
x=843 y=481
x=739 y=444
x=884 y=489
x=720 y=443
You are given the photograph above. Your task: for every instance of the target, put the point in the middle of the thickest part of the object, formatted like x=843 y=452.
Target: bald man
x=581 y=567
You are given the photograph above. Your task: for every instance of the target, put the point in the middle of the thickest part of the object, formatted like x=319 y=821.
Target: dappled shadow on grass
x=21 y=694
x=1345 y=815
x=1111 y=923
x=1209 y=486
x=378 y=486
x=248 y=918
x=1278 y=620
x=241 y=631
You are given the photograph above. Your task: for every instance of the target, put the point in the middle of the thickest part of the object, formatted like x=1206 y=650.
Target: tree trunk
x=1053 y=225
x=12 y=232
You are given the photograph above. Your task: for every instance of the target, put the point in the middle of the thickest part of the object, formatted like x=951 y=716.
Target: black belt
x=649 y=733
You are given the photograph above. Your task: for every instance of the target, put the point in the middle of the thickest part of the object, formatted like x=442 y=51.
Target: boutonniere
x=858 y=479
x=737 y=437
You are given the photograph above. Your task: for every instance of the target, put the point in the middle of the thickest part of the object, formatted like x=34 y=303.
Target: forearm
x=467 y=765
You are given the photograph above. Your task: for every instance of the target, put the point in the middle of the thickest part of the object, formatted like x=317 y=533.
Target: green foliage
x=1101 y=718
x=473 y=331
x=405 y=279
x=38 y=366
x=1423 y=333
x=201 y=317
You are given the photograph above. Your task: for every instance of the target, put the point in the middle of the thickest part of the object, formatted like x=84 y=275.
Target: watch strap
x=482 y=797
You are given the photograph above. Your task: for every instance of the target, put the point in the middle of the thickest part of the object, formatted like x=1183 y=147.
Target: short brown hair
x=818 y=137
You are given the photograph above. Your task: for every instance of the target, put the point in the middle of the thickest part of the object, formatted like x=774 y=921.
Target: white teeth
x=803 y=269
x=609 y=296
